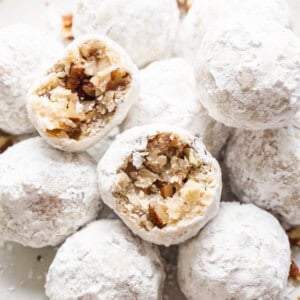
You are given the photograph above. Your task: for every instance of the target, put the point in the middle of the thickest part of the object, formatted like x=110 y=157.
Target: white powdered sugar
x=264 y=169
x=248 y=73
x=243 y=254
x=45 y=194
x=169 y=95
x=25 y=53
x=146 y=29
x=104 y=260
x=98 y=150
x=204 y=13
x=152 y=209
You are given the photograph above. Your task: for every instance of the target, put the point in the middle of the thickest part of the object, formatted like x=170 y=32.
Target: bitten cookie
x=84 y=95
x=162 y=182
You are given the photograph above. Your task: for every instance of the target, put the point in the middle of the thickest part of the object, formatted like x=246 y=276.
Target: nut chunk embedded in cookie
x=162 y=183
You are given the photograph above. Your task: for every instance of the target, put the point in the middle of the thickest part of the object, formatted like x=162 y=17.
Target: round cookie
x=248 y=73
x=264 y=169
x=84 y=95
x=104 y=260
x=45 y=194
x=242 y=254
x=162 y=182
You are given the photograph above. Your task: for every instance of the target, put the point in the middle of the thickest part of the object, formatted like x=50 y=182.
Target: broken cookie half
x=84 y=95
x=162 y=183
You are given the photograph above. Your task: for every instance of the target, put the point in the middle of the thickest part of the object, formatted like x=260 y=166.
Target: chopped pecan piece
x=5 y=142
x=75 y=78
x=294 y=236
x=67 y=22
x=167 y=189
x=158 y=215
x=294 y=271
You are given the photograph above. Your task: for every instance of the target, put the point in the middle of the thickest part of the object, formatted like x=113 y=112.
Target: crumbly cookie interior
x=165 y=184
x=83 y=92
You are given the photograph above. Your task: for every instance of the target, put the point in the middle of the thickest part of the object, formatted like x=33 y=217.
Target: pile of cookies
x=153 y=110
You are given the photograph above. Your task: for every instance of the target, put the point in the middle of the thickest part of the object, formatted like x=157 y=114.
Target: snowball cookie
x=248 y=74
x=105 y=261
x=203 y=13
x=169 y=95
x=161 y=182
x=84 y=95
x=25 y=53
x=264 y=169
x=45 y=194
x=243 y=254
x=146 y=29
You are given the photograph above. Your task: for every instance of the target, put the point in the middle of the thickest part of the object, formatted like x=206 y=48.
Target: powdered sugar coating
x=243 y=254
x=264 y=169
x=169 y=95
x=146 y=29
x=99 y=149
x=25 y=53
x=104 y=260
x=248 y=74
x=204 y=13
x=45 y=194
x=119 y=59
x=135 y=140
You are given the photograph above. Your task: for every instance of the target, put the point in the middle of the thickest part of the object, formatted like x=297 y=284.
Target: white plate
x=23 y=270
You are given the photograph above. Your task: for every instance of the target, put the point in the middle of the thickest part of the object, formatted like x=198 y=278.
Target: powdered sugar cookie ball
x=45 y=194
x=84 y=95
x=242 y=254
x=161 y=182
x=25 y=53
x=248 y=74
x=104 y=260
x=169 y=95
x=203 y=13
x=146 y=29
x=264 y=169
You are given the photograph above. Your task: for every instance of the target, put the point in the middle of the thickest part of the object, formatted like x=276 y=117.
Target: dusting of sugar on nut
x=171 y=194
